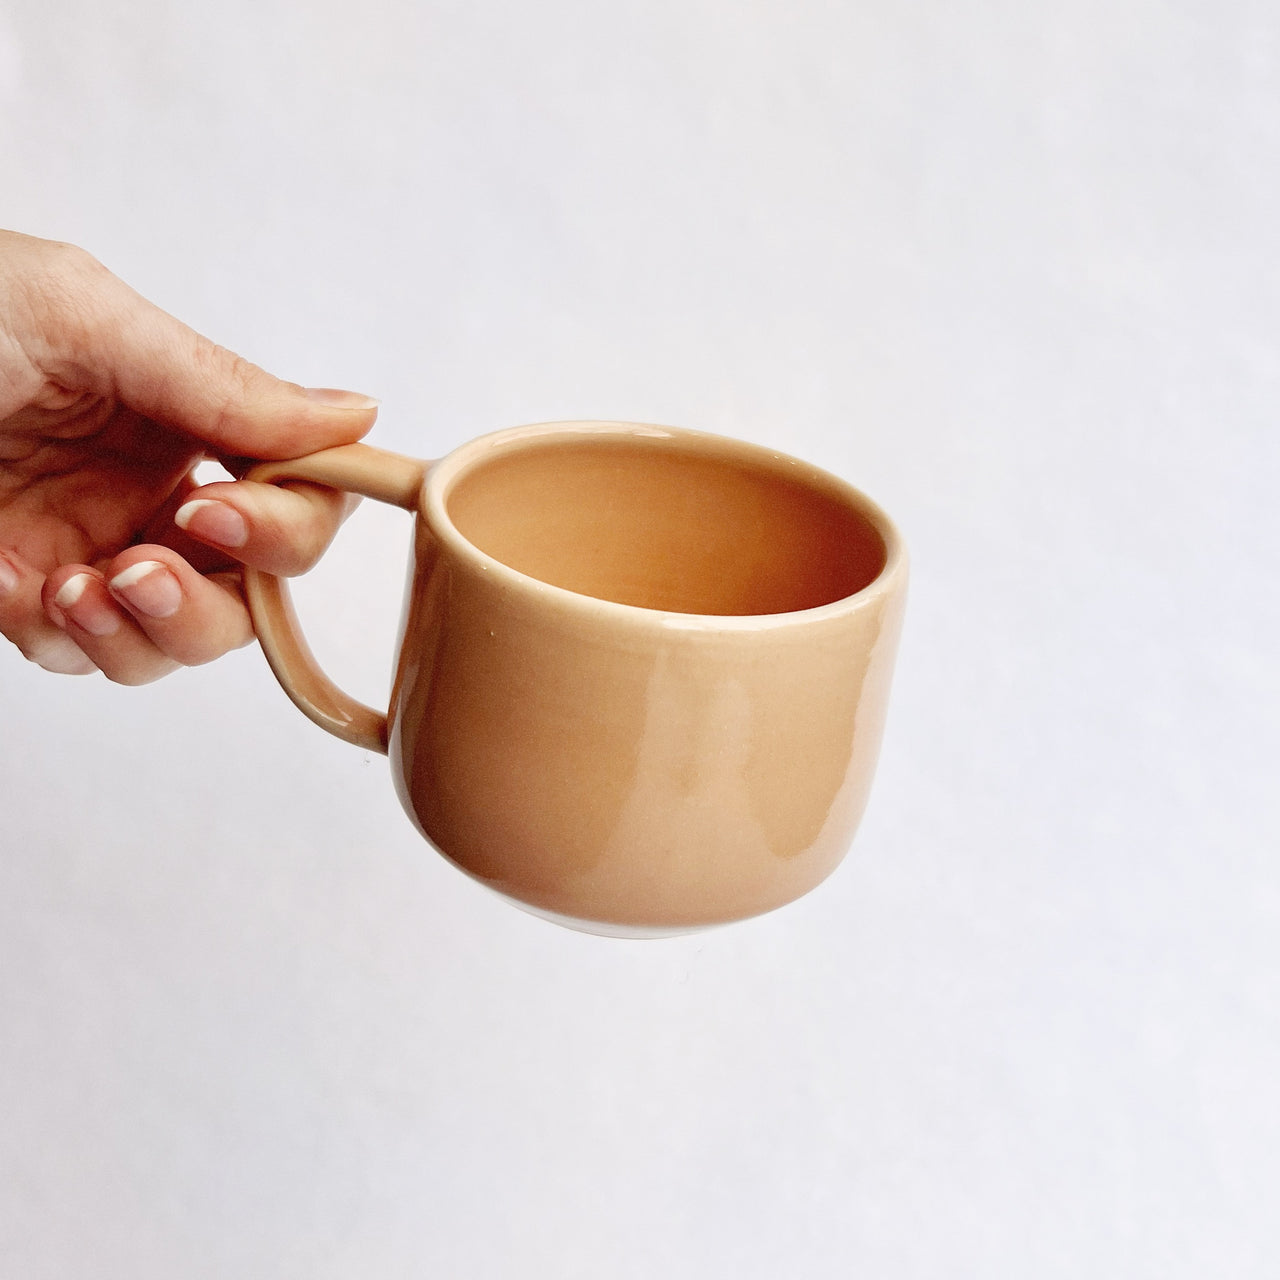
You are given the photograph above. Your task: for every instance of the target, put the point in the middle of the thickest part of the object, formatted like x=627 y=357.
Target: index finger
x=283 y=529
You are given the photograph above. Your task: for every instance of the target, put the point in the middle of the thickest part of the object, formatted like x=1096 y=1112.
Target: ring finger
x=76 y=598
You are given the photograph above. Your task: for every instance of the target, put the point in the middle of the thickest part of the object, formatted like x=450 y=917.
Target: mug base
x=606 y=928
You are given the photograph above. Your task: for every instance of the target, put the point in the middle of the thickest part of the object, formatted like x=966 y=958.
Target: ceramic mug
x=642 y=672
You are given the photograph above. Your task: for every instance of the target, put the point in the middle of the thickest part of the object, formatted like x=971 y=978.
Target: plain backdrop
x=1013 y=269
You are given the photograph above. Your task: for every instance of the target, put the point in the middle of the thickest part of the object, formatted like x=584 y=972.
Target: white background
x=1013 y=269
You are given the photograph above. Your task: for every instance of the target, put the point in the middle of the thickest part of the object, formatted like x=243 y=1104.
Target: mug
x=642 y=672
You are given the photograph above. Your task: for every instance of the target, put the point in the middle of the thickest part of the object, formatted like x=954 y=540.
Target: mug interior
x=683 y=524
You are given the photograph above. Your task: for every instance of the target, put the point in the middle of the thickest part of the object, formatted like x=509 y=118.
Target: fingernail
x=335 y=399
x=212 y=521
x=149 y=587
x=71 y=590
x=87 y=611
x=8 y=577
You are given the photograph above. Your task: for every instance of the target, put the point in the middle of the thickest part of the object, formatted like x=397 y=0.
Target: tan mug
x=642 y=672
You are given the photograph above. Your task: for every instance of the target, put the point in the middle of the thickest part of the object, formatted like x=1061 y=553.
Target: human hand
x=111 y=557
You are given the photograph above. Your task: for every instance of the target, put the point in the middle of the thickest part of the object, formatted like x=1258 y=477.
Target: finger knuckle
x=304 y=530
x=232 y=380
x=135 y=677
x=71 y=262
x=65 y=294
x=61 y=657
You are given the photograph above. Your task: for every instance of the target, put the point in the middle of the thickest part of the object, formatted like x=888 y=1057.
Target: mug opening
x=676 y=522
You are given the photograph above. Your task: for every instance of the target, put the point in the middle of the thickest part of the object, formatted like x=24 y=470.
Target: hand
x=111 y=558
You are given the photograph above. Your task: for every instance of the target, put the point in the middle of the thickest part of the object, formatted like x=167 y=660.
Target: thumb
x=129 y=348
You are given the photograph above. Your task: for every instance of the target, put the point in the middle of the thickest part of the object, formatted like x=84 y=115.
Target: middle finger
x=187 y=616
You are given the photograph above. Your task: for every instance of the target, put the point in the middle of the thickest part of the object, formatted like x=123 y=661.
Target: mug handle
x=355 y=468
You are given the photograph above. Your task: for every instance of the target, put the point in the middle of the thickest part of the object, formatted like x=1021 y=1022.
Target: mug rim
x=442 y=474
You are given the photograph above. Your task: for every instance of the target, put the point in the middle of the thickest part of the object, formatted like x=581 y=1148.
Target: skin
x=106 y=405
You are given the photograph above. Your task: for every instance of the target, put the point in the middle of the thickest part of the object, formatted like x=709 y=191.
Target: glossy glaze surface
x=645 y=671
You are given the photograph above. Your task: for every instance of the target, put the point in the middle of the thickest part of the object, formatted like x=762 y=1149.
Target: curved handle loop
x=356 y=468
